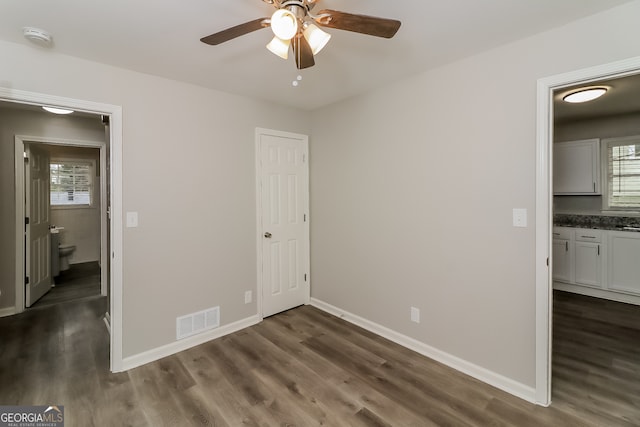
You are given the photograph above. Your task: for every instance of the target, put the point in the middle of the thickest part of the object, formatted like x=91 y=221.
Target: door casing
x=20 y=141
x=544 y=203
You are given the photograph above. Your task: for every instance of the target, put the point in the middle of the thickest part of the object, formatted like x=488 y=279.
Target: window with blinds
x=71 y=183
x=623 y=173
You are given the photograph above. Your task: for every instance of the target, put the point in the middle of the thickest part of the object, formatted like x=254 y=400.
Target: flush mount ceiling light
x=56 y=110
x=296 y=26
x=585 y=94
x=37 y=36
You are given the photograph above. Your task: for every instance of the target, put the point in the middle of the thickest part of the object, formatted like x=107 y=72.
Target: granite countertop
x=600 y=222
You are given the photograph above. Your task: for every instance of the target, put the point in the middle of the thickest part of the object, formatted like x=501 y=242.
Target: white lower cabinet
x=599 y=263
x=624 y=262
x=562 y=254
x=588 y=257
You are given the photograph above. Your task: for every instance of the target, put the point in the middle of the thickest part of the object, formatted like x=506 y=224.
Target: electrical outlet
x=247 y=297
x=415 y=315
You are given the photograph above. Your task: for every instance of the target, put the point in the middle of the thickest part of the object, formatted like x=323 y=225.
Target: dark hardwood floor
x=596 y=358
x=305 y=368
x=80 y=281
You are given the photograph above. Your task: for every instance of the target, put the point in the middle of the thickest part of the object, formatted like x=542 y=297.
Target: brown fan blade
x=371 y=25
x=237 y=31
x=302 y=52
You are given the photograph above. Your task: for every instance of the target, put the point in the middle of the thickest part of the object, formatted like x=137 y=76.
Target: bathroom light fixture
x=55 y=110
x=584 y=94
x=37 y=36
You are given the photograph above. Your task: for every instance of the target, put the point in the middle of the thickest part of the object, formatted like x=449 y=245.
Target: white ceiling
x=161 y=37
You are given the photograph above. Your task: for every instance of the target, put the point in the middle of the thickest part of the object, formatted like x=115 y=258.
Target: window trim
x=604 y=175
x=92 y=182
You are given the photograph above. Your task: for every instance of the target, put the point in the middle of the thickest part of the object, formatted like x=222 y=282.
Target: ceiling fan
x=294 y=26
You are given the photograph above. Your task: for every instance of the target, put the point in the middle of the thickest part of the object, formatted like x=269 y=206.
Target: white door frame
x=116 y=238
x=20 y=141
x=544 y=202
x=259 y=237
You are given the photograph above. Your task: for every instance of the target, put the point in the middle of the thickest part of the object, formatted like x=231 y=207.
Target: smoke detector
x=37 y=36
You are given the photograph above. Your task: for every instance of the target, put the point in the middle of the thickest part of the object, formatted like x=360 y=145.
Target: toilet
x=65 y=252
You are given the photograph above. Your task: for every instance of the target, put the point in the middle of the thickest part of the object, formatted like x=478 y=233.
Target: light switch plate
x=132 y=219
x=415 y=315
x=519 y=217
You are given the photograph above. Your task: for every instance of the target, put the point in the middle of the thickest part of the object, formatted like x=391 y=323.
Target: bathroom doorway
x=74 y=247
x=71 y=212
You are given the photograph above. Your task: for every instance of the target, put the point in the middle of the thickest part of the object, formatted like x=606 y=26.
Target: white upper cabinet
x=576 y=167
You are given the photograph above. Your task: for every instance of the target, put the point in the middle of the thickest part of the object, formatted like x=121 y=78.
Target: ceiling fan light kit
x=294 y=26
x=284 y=24
x=279 y=47
x=317 y=38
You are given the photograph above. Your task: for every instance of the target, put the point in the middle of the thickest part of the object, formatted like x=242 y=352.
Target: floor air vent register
x=195 y=323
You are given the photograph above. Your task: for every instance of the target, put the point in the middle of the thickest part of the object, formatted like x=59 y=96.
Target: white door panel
x=38 y=236
x=284 y=222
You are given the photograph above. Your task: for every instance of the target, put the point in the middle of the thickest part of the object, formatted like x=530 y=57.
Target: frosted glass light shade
x=316 y=37
x=284 y=24
x=279 y=47
x=585 y=95
x=57 y=110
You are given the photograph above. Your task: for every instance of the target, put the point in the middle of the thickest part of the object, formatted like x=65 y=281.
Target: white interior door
x=284 y=220
x=37 y=234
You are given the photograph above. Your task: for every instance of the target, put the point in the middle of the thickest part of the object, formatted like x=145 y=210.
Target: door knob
x=267 y=235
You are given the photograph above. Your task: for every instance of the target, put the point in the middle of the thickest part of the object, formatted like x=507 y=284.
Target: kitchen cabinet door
x=588 y=263
x=624 y=261
x=562 y=260
x=576 y=167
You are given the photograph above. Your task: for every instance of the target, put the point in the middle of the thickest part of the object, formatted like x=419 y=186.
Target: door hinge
x=305 y=277
x=26 y=220
x=304 y=218
x=26 y=280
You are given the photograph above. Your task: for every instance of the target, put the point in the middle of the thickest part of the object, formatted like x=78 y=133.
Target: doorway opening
x=549 y=88
x=114 y=232
x=66 y=241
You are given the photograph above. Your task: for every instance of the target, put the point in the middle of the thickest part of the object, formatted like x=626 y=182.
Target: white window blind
x=623 y=173
x=71 y=183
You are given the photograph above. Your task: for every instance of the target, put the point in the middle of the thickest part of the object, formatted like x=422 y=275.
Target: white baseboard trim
x=152 y=355
x=597 y=293
x=7 y=311
x=494 y=379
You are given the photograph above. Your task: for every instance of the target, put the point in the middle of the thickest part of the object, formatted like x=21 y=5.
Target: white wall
x=39 y=124
x=413 y=186
x=188 y=170
x=605 y=127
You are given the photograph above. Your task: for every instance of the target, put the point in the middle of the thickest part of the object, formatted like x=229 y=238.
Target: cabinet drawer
x=587 y=235
x=562 y=233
